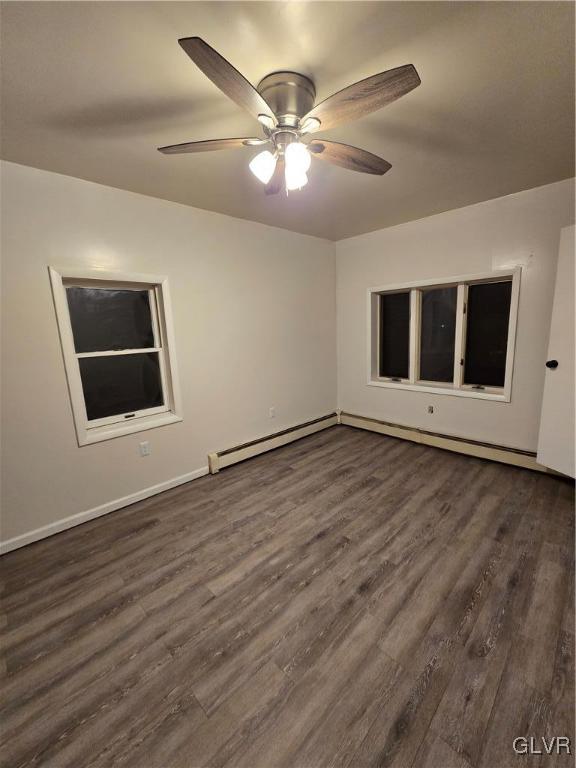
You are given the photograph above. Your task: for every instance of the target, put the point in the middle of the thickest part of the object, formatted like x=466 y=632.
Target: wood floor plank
x=562 y=698
x=336 y=737
x=235 y=723
x=402 y=723
x=348 y=600
x=465 y=708
x=543 y=622
x=292 y=720
x=435 y=753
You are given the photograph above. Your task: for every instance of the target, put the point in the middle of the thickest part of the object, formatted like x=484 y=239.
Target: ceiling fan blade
x=276 y=183
x=353 y=158
x=208 y=146
x=226 y=77
x=364 y=97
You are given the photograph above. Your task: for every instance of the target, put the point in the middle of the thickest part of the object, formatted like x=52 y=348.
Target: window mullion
x=460 y=340
x=415 y=296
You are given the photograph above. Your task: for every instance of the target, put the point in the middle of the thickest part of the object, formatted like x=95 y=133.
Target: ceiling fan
x=283 y=103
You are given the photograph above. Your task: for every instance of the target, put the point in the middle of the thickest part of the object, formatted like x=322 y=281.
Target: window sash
x=380 y=340
x=485 y=333
x=459 y=337
x=420 y=331
x=457 y=386
x=126 y=416
x=152 y=302
x=158 y=348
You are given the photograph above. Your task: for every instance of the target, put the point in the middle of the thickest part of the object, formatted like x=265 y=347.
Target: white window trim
x=457 y=388
x=105 y=429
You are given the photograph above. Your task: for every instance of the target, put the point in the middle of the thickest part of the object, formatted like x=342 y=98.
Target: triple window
x=455 y=337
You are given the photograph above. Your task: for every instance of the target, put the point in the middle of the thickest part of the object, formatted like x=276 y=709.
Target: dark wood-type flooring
x=348 y=600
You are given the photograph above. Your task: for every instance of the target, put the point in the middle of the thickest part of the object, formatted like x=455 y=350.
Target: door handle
x=552 y=364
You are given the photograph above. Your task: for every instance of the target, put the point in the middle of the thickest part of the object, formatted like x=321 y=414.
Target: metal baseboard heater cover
x=500 y=453
x=503 y=454
x=221 y=459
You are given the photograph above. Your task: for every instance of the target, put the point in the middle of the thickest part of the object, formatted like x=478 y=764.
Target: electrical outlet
x=430 y=409
x=272 y=412
x=145 y=448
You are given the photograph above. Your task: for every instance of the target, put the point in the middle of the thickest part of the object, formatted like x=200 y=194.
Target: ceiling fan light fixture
x=297 y=158
x=263 y=166
x=295 y=179
x=284 y=104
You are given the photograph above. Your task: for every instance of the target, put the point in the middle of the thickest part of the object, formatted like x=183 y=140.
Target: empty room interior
x=287 y=384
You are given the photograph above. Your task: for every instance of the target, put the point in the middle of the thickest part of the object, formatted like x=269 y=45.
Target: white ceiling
x=91 y=89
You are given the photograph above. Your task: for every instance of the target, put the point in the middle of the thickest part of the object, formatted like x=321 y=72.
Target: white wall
x=254 y=311
x=521 y=229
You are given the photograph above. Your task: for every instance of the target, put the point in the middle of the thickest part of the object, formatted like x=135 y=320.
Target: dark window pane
x=487 y=333
x=394 y=335
x=107 y=319
x=437 y=331
x=120 y=384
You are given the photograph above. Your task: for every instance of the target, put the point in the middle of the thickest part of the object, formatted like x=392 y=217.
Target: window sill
x=502 y=397
x=108 y=432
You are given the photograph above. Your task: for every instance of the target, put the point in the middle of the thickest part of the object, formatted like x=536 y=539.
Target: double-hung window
x=118 y=348
x=450 y=337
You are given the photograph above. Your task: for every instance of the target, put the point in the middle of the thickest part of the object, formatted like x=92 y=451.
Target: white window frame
x=96 y=430
x=456 y=387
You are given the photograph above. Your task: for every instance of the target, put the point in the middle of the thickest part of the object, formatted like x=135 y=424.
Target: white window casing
x=456 y=387
x=96 y=430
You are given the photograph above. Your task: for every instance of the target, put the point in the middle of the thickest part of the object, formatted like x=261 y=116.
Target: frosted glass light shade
x=297 y=157
x=263 y=166
x=294 y=179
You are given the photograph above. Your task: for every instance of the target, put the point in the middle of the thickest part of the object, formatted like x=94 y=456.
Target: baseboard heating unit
x=514 y=456
x=221 y=459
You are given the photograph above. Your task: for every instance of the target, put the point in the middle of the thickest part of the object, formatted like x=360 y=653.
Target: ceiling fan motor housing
x=289 y=95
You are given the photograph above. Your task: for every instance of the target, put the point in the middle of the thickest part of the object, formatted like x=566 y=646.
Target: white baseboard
x=103 y=509
x=218 y=461
x=499 y=453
